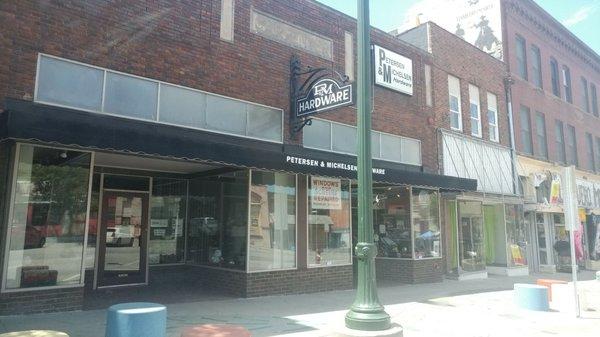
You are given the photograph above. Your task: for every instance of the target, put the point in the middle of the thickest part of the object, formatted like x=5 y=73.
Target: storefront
x=588 y=197
x=127 y=197
x=485 y=229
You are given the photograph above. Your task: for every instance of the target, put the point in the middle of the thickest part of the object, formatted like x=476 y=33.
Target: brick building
x=470 y=105
x=554 y=98
x=149 y=142
x=557 y=122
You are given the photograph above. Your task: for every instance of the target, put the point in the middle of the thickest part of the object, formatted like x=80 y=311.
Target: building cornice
x=554 y=30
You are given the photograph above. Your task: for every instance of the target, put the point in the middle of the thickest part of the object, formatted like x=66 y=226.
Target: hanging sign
x=326 y=193
x=325 y=94
x=393 y=71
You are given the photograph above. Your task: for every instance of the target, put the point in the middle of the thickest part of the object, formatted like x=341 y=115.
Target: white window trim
x=459 y=112
x=477 y=103
x=159 y=83
x=494 y=137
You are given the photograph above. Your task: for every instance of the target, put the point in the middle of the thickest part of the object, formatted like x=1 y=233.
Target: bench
x=548 y=283
x=137 y=319
x=531 y=296
x=215 y=330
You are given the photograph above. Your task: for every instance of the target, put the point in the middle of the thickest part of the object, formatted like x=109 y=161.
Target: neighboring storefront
x=485 y=229
x=155 y=182
x=588 y=197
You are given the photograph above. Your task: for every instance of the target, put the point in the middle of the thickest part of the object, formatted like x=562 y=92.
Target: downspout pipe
x=508 y=82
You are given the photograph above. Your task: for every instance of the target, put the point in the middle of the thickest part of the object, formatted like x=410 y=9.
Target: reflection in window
x=329 y=241
x=470 y=236
x=218 y=218
x=47 y=227
x=272 y=221
x=426 y=224
x=167 y=221
x=391 y=219
x=516 y=236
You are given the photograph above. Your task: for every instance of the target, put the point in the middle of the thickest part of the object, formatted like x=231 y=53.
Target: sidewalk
x=452 y=308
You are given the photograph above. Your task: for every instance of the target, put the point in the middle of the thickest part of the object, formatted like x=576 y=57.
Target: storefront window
x=593 y=238
x=167 y=221
x=329 y=240
x=391 y=221
x=272 y=221
x=426 y=223
x=495 y=235
x=47 y=228
x=218 y=219
x=516 y=236
x=90 y=252
x=470 y=236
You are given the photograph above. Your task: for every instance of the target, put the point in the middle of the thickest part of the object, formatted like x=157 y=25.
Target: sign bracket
x=300 y=88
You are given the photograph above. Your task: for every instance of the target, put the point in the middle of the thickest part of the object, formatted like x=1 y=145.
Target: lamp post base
x=368 y=320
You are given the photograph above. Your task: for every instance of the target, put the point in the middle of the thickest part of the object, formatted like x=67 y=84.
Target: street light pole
x=366 y=312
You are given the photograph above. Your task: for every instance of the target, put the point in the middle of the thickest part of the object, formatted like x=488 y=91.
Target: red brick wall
x=536 y=27
x=179 y=42
x=454 y=56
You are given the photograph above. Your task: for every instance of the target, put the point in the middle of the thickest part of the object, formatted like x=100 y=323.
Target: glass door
x=471 y=236
x=122 y=241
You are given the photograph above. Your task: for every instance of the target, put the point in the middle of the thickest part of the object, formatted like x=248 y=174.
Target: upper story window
x=597 y=154
x=492 y=114
x=560 y=142
x=594 y=95
x=589 y=140
x=454 y=103
x=526 y=141
x=475 y=111
x=567 y=84
x=521 y=56
x=555 y=77
x=80 y=86
x=585 y=95
x=540 y=131
x=336 y=137
x=572 y=158
x=536 y=66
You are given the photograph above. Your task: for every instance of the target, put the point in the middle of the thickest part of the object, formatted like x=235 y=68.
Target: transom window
x=75 y=85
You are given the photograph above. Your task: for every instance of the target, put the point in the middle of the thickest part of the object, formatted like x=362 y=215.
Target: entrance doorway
x=123 y=233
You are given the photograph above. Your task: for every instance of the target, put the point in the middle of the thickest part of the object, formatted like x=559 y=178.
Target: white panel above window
x=342 y=138
x=79 y=86
x=70 y=84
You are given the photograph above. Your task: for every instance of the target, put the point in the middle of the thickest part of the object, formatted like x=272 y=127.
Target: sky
x=582 y=17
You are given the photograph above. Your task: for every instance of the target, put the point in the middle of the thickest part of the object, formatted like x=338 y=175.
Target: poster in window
x=326 y=193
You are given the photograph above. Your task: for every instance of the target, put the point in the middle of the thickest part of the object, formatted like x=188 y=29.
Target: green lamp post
x=366 y=312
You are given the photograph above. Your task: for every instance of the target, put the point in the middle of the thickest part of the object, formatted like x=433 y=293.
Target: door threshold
x=122 y=286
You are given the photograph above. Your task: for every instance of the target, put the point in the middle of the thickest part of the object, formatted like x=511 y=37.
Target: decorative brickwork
x=37 y=301
x=410 y=271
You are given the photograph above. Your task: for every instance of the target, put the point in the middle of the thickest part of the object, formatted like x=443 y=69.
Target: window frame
x=572 y=136
x=542 y=139
x=559 y=133
x=521 y=57
x=536 y=65
x=555 y=77
x=459 y=112
x=312 y=266
x=477 y=103
x=594 y=99
x=526 y=112
x=589 y=140
x=496 y=126
x=567 y=84
x=249 y=219
x=585 y=95
x=12 y=186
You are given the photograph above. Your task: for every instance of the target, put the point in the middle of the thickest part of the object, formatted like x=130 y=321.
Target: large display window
x=272 y=227
x=426 y=223
x=391 y=219
x=47 y=224
x=167 y=221
x=218 y=220
x=516 y=236
x=329 y=222
x=470 y=236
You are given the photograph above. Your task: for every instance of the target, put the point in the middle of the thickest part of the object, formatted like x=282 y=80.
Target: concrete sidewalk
x=452 y=308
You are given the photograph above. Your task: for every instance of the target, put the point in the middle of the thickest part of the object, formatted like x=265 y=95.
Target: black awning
x=24 y=120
